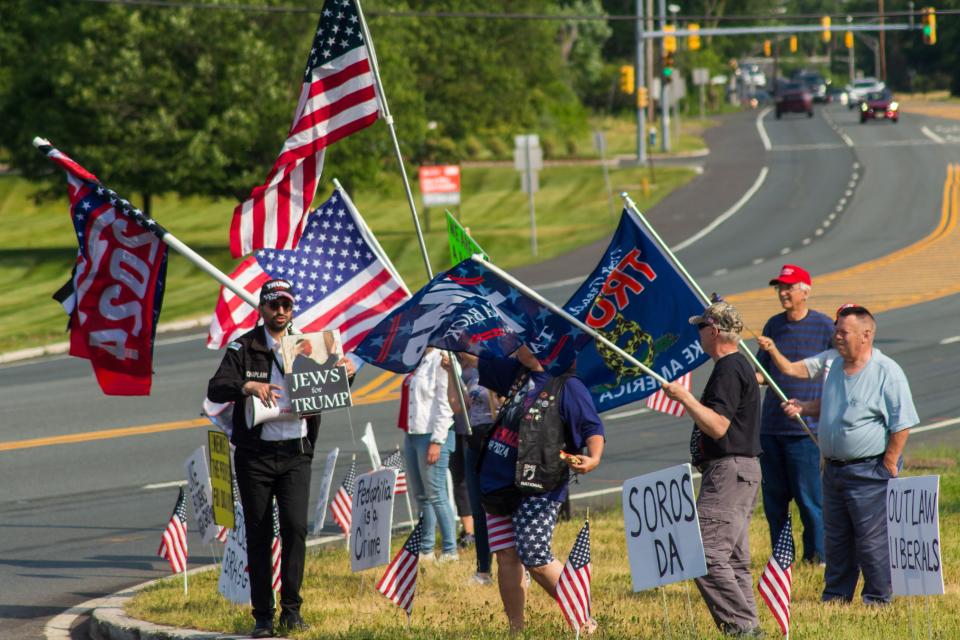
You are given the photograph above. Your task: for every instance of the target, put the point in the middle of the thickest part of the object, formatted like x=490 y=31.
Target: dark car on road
x=879 y=105
x=815 y=82
x=794 y=97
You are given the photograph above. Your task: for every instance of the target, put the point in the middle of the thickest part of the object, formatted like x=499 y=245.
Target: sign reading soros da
x=663 y=532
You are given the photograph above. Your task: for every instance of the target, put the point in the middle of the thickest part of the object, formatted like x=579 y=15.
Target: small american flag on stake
x=395 y=461
x=660 y=402
x=275 y=547
x=573 y=588
x=777 y=577
x=399 y=582
x=173 y=543
x=337 y=98
x=342 y=504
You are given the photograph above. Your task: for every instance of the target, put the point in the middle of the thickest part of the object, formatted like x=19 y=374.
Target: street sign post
x=528 y=160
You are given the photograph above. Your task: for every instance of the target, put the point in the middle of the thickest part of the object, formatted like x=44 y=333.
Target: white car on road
x=861 y=88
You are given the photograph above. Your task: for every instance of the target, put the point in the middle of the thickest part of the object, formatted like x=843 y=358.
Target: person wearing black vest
x=272 y=459
x=522 y=476
x=725 y=445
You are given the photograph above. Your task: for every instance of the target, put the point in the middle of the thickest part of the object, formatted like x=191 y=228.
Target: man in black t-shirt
x=724 y=446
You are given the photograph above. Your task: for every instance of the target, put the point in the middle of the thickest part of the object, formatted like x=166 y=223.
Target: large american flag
x=342 y=504
x=399 y=581
x=173 y=542
x=395 y=461
x=660 y=402
x=777 y=577
x=337 y=98
x=275 y=547
x=340 y=278
x=573 y=588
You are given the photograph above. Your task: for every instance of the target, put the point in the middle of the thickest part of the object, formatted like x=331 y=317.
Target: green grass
x=37 y=246
x=340 y=605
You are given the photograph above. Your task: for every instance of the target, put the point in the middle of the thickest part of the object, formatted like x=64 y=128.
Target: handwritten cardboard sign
x=372 y=519
x=913 y=534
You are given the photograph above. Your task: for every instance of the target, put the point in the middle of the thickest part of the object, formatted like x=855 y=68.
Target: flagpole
x=185 y=581
x=166 y=237
x=706 y=300
x=596 y=335
x=388 y=118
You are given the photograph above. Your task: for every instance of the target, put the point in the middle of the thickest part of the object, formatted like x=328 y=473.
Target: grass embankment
x=340 y=605
x=37 y=246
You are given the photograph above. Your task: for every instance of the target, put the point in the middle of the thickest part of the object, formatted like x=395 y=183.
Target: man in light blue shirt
x=865 y=413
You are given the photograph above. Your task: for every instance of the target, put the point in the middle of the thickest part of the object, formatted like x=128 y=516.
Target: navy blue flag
x=470 y=308
x=640 y=302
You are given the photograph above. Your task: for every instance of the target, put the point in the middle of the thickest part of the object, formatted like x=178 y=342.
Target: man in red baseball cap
x=791 y=460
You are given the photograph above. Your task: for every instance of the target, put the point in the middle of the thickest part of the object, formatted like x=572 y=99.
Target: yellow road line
x=388 y=390
x=88 y=436
x=373 y=384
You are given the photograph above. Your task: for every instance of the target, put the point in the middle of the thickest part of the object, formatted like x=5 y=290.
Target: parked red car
x=879 y=105
x=794 y=97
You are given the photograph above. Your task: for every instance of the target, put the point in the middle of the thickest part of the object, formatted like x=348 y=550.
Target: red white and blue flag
x=399 y=581
x=660 y=402
x=337 y=98
x=573 y=588
x=395 y=461
x=776 y=581
x=340 y=279
x=276 y=547
x=173 y=543
x=115 y=293
x=342 y=504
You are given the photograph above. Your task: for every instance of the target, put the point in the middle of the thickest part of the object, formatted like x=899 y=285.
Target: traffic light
x=825 y=23
x=642 y=99
x=693 y=40
x=668 y=69
x=669 y=42
x=929 y=21
x=793 y=44
x=626 y=78
x=848 y=39
x=767 y=48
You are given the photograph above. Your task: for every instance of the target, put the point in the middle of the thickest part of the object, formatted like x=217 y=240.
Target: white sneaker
x=427 y=557
x=481 y=579
x=448 y=557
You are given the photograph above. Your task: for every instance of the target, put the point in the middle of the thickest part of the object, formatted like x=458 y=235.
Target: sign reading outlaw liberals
x=913 y=532
x=663 y=532
x=372 y=519
x=314 y=381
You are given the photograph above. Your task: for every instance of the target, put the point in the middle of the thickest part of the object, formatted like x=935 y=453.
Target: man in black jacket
x=272 y=459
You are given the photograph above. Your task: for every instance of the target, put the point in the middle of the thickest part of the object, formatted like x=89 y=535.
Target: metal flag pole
x=388 y=118
x=165 y=236
x=596 y=335
x=632 y=206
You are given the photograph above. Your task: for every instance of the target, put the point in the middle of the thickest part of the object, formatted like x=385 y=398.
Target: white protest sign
x=913 y=534
x=370 y=441
x=372 y=519
x=320 y=515
x=201 y=494
x=663 y=532
x=234 y=581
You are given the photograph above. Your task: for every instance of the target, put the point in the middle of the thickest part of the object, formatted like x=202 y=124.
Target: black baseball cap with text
x=276 y=289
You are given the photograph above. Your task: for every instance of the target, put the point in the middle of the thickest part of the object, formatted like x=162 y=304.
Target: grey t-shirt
x=859 y=412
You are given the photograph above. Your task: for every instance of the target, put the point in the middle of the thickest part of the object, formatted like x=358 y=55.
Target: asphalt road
x=79 y=519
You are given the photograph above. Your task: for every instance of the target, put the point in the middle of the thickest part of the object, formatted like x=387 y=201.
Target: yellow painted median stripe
x=107 y=434
x=373 y=384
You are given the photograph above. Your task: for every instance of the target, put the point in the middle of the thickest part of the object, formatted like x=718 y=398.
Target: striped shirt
x=796 y=341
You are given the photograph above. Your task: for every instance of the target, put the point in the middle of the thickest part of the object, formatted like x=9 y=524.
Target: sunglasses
x=274 y=305
x=703 y=325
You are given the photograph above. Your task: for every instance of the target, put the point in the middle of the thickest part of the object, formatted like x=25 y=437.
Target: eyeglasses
x=279 y=304
x=703 y=325
x=785 y=287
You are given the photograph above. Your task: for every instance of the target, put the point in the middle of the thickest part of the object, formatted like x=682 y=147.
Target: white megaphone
x=258 y=413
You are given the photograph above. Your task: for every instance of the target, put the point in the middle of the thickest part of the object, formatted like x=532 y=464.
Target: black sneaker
x=292 y=621
x=263 y=628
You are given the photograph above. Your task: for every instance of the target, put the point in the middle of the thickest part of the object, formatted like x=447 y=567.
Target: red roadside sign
x=440 y=185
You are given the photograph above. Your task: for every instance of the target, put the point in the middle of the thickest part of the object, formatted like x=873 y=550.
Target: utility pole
x=883 y=44
x=664 y=92
x=640 y=86
x=850 y=61
x=648 y=52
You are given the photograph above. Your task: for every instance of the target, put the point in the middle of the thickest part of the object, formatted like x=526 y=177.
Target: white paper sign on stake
x=372 y=519
x=234 y=581
x=662 y=528
x=201 y=494
x=320 y=515
x=913 y=535
x=370 y=441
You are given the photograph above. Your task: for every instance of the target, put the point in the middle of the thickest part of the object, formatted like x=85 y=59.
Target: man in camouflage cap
x=725 y=445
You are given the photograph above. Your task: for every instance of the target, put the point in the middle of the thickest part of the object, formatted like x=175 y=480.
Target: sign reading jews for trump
x=314 y=381
x=372 y=519
x=637 y=300
x=663 y=532
x=913 y=533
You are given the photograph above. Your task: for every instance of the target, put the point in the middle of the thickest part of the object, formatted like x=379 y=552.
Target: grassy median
x=339 y=604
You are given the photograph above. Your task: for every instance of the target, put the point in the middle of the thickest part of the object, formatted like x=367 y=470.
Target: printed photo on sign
x=315 y=383
x=913 y=533
x=662 y=528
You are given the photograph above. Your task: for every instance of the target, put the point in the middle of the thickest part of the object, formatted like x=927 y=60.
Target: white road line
x=764 y=138
x=560 y=283
x=950 y=340
x=626 y=414
x=846 y=139
x=930 y=134
x=609 y=490
x=813 y=146
x=193 y=336
x=936 y=425
x=729 y=213
x=164 y=485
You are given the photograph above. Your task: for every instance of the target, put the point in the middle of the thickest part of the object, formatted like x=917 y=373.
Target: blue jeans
x=791 y=471
x=429 y=485
x=481 y=541
x=854 y=514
